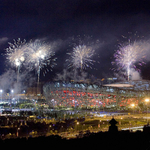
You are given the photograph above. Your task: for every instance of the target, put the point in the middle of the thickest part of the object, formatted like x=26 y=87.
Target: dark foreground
x=102 y=140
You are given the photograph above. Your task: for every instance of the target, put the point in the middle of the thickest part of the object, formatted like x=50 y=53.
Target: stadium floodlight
x=146 y=100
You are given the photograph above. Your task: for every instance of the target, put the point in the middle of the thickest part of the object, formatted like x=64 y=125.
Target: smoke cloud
x=74 y=75
x=135 y=75
x=8 y=81
x=3 y=40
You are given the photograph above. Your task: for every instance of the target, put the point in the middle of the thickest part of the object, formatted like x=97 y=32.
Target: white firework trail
x=128 y=55
x=81 y=57
x=39 y=55
x=15 y=53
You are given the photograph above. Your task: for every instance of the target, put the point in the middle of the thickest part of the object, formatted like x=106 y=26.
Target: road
x=134 y=128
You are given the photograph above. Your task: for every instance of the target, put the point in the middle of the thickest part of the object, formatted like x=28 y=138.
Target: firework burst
x=39 y=55
x=127 y=56
x=15 y=53
x=81 y=57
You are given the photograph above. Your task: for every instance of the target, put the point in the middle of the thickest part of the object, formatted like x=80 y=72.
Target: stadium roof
x=118 y=85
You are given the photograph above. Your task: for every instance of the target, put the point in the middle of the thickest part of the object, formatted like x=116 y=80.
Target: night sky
x=61 y=20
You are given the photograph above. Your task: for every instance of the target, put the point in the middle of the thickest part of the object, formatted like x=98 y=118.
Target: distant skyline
x=105 y=21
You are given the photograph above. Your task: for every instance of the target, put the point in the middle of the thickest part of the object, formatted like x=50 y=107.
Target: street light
x=77 y=125
x=147 y=100
x=133 y=105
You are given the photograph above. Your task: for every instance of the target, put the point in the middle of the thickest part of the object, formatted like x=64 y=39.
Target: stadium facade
x=96 y=95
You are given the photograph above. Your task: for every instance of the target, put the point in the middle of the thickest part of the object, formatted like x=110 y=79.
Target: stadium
x=82 y=94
